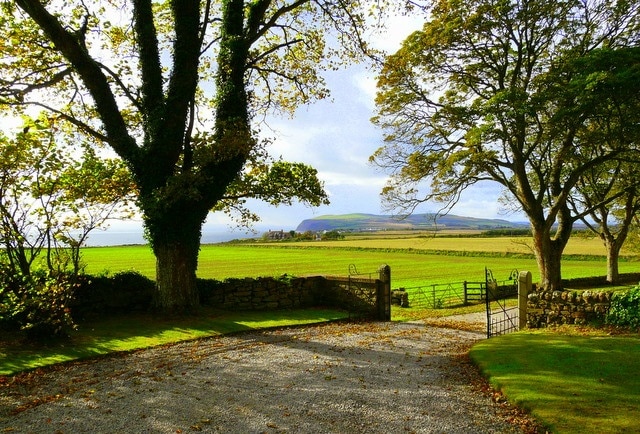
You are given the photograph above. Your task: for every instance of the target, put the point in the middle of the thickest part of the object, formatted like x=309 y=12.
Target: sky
x=336 y=137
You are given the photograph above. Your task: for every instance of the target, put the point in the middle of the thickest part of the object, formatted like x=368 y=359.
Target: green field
x=429 y=242
x=415 y=261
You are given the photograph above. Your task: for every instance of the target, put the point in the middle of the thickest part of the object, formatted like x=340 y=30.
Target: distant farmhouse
x=277 y=235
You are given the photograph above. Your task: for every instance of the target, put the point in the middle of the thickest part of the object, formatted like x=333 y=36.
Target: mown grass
x=137 y=331
x=573 y=380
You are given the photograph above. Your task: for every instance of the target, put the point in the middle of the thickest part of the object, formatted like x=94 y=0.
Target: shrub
x=124 y=292
x=332 y=235
x=625 y=308
x=37 y=303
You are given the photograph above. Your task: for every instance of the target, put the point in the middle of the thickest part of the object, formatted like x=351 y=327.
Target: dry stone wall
x=264 y=293
x=357 y=293
x=358 y=296
x=545 y=308
x=576 y=306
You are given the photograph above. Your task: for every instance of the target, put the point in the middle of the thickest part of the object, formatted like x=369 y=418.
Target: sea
x=101 y=238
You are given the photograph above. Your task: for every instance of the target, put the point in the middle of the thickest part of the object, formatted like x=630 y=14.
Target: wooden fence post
x=524 y=287
x=466 y=296
x=384 y=293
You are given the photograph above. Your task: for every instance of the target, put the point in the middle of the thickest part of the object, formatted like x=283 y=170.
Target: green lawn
x=570 y=381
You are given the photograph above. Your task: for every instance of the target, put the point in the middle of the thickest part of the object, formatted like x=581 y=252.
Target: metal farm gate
x=501 y=319
x=369 y=294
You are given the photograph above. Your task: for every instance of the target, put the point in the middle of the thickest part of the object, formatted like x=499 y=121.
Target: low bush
x=625 y=308
x=104 y=295
x=44 y=305
x=37 y=303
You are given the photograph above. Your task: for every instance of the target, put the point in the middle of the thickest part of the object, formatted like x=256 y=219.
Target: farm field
x=509 y=245
x=410 y=265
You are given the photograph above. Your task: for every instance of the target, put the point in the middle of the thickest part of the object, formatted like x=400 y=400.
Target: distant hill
x=372 y=222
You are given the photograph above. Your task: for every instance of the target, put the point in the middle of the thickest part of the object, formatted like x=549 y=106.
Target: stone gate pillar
x=383 y=295
x=524 y=288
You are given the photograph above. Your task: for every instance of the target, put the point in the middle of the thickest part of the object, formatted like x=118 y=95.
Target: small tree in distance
x=611 y=193
x=332 y=235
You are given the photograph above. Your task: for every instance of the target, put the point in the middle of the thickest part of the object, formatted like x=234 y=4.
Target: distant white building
x=277 y=235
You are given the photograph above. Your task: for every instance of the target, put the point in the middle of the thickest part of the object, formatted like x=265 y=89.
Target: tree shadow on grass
x=142 y=330
x=571 y=382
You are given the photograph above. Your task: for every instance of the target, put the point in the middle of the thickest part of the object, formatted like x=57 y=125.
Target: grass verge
x=573 y=380
x=133 y=332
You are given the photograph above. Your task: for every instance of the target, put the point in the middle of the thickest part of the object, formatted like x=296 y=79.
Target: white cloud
x=365 y=82
x=397 y=28
x=352 y=179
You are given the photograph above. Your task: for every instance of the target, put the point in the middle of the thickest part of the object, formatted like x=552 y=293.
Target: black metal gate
x=369 y=294
x=501 y=319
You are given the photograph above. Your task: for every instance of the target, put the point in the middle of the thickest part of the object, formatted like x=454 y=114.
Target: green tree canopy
x=514 y=92
x=52 y=196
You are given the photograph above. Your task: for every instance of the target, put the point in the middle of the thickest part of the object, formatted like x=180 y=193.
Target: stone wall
x=359 y=294
x=546 y=308
x=576 y=306
x=356 y=295
x=263 y=293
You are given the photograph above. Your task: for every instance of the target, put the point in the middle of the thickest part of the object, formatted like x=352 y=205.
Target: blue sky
x=336 y=137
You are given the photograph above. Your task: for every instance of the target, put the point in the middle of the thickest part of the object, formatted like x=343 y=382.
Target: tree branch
x=92 y=76
x=150 y=67
x=258 y=16
x=183 y=80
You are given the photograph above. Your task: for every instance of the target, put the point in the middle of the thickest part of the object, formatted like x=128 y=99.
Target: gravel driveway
x=331 y=378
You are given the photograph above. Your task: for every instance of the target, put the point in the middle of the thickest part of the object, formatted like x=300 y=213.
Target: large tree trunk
x=176 y=265
x=548 y=249
x=549 y=258
x=176 y=207
x=613 y=254
x=175 y=239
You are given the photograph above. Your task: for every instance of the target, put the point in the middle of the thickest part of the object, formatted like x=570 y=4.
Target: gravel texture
x=330 y=378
